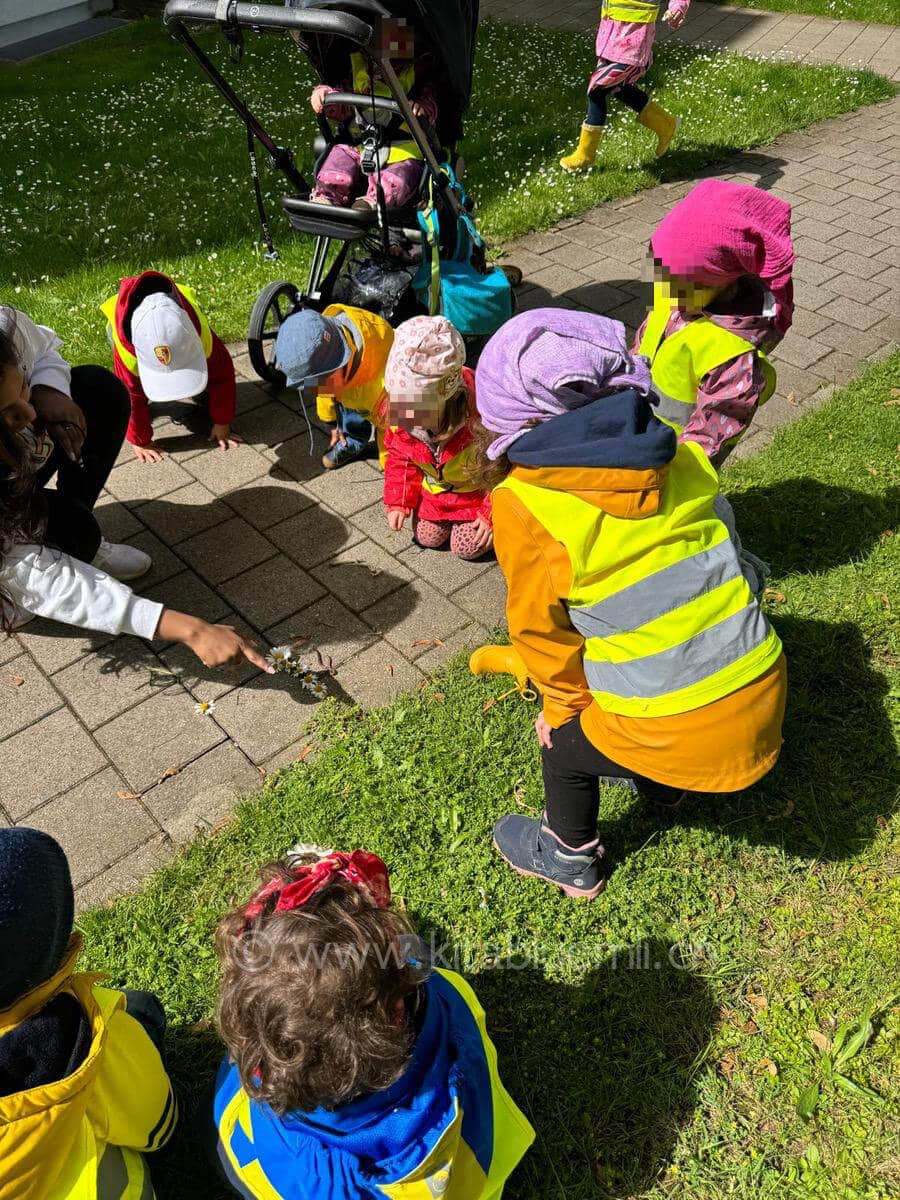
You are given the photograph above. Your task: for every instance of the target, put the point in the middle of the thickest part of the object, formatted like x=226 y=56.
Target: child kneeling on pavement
x=341 y=353
x=627 y=603
x=430 y=410
x=356 y=1068
x=84 y=1092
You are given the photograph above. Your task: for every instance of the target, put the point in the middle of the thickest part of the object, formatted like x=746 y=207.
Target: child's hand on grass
x=147 y=454
x=673 y=19
x=396 y=518
x=484 y=536
x=224 y=436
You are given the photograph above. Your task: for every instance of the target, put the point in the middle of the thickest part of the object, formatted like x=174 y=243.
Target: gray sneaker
x=531 y=848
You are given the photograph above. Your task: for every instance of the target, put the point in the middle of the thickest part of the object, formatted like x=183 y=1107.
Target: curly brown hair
x=312 y=1001
x=486 y=473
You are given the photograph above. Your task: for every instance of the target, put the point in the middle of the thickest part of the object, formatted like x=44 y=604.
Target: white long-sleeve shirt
x=47 y=583
x=37 y=348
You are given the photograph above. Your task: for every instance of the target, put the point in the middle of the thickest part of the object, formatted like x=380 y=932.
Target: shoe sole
x=572 y=893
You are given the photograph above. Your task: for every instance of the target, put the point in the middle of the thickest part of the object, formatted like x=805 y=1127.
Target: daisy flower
x=309 y=680
x=204 y=708
x=279 y=657
x=319 y=690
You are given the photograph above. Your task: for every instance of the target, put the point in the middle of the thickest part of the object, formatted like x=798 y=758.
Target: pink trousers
x=460 y=534
x=341 y=179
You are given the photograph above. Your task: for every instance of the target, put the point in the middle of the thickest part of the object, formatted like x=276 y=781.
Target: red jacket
x=410 y=463
x=221 y=387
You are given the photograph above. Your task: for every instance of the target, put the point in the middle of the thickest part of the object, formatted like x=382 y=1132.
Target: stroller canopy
x=445 y=30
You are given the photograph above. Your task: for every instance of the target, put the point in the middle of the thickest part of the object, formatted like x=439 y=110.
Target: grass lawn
x=885 y=11
x=697 y=1074
x=117 y=155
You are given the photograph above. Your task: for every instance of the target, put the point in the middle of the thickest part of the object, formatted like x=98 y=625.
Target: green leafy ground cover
x=117 y=155
x=723 y=1021
x=883 y=11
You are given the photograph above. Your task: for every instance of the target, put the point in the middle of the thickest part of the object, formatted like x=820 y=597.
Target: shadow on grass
x=603 y=1068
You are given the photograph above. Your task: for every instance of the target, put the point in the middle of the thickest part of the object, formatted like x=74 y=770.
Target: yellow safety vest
x=453 y=476
x=678 y=363
x=108 y=308
x=362 y=85
x=637 y=11
x=669 y=621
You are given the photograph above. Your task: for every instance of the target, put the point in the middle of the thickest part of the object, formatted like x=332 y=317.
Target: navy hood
x=619 y=431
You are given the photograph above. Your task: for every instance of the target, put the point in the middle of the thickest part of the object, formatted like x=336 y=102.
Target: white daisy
x=309 y=680
x=279 y=657
x=319 y=690
x=204 y=708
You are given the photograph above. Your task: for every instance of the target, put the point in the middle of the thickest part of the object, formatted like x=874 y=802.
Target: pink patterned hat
x=426 y=360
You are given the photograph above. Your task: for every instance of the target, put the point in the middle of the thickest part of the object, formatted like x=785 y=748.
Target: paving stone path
x=99 y=741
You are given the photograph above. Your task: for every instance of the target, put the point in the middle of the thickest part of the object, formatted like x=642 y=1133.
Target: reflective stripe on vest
x=452 y=477
x=128 y=358
x=123 y=1175
x=679 y=362
x=637 y=11
x=406 y=148
x=668 y=618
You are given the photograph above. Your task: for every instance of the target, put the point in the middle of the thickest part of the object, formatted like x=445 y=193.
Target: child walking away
x=342 y=353
x=84 y=1093
x=627 y=604
x=431 y=406
x=722 y=297
x=341 y=177
x=624 y=53
x=356 y=1069
x=164 y=349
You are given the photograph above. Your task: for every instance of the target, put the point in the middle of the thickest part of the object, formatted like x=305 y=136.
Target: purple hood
x=551 y=361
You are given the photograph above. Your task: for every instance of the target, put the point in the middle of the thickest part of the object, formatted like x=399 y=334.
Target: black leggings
x=71 y=524
x=634 y=97
x=572 y=771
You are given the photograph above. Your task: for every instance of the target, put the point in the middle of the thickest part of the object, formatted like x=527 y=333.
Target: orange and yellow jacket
x=627 y=604
x=82 y=1136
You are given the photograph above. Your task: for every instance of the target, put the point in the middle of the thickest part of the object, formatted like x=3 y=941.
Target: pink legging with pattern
x=461 y=535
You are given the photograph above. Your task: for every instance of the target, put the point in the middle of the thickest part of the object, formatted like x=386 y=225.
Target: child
x=54 y=561
x=626 y=600
x=84 y=1093
x=340 y=178
x=723 y=297
x=355 y=1070
x=164 y=349
x=430 y=408
x=624 y=53
x=342 y=353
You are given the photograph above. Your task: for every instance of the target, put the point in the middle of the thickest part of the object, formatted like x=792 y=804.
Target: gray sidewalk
x=99 y=741
x=796 y=37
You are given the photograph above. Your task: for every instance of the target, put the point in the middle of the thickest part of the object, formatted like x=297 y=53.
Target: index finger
x=68 y=440
x=253 y=655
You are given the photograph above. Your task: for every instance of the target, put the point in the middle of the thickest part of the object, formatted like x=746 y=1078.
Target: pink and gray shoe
x=532 y=848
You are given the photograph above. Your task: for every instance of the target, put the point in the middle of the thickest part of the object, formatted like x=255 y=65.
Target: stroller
x=427 y=257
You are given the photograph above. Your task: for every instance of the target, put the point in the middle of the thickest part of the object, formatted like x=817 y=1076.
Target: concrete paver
x=262 y=537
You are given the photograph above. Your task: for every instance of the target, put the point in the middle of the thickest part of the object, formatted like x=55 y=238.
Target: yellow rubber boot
x=582 y=158
x=654 y=117
x=499 y=660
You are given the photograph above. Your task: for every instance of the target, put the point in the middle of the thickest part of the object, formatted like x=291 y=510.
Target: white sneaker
x=121 y=561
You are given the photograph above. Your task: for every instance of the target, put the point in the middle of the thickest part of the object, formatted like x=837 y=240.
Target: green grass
x=117 y=156
x=660 y=1077
x=884 y=11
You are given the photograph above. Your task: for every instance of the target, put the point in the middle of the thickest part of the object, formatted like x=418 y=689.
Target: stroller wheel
x=274 y=304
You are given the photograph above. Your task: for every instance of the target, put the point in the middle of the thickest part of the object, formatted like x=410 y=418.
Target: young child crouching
x=83 y=1089
x=430 y=409
x=355 y=1070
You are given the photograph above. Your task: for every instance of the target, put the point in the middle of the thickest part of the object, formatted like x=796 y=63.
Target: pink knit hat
x=426 y=361
x=721 y=231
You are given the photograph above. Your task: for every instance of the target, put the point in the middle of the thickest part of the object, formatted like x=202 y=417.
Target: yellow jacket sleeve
x=133 y=1095
x=538 y=576
x=325 y=407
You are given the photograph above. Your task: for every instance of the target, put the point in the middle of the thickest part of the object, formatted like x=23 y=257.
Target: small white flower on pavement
x=204 y=708
x=279 y=657
x=319 y=690
x=309 y=680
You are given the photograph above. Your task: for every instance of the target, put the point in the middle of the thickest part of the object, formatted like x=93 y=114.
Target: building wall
x=22 y=19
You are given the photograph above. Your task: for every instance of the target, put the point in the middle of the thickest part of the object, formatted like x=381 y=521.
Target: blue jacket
x=446 y=1128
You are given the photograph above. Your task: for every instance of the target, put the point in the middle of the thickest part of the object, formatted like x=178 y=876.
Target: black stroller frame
x=316 y=23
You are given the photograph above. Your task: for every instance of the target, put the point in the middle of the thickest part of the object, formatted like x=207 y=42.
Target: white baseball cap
x=171 y=361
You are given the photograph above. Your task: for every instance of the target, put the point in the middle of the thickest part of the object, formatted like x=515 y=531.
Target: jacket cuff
x=141 y=617
x=557 y=713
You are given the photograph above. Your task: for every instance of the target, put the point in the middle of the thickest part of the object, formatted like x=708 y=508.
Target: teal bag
x=476 y=301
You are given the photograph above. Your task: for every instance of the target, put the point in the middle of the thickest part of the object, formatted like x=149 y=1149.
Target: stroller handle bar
x=270 y=16
x=358 y=100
